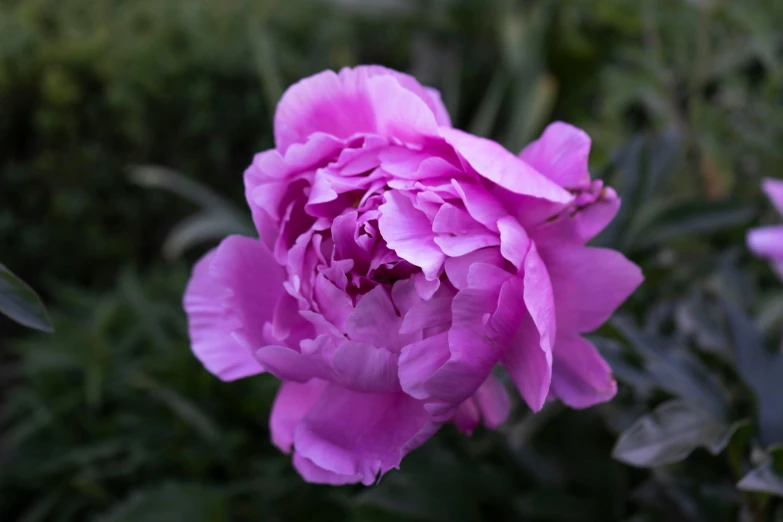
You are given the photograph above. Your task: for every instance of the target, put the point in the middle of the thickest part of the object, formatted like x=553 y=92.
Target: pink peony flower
x=400 y=262
x=767 y=242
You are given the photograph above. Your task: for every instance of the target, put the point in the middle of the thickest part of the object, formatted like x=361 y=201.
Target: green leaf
x=675 y=369
x=681 y=218
x=670 y=433
x=19 y=302
x=763 y=479
x=761 y=369
x=171 y=503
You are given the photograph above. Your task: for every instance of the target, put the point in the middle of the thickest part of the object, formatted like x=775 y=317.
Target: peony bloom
x=767 y=242
x=401 y=261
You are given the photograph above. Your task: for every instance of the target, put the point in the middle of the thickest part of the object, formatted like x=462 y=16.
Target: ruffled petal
x=525 y=322
x=363 y=100
x=231 y=297
x=408 y=232
x=473 y=353
x=211 y=331
x=374 y=320
x=498 y=165
x=254 y=284
x=365 y=368
x=560 y=154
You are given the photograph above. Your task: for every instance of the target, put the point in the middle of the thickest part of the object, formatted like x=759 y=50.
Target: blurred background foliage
x=112 y=419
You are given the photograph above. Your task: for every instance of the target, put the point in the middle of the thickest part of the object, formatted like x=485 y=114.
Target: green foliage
x=112 y=419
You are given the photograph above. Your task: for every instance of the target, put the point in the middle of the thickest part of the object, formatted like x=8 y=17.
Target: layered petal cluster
x=400 y=262
x=767 y=242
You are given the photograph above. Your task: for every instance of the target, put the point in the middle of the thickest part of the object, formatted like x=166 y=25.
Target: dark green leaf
x=676 y=370
x=670 y=433
x=761 y=369
x=690 y=218
x=171 y=503
x=19 y=302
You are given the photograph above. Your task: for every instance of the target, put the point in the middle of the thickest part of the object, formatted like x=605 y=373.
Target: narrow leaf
x=19 y=302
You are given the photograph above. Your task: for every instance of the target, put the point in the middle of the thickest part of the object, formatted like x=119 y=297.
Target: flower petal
x=363 y=367
x=589 y=284
x=254 y=281
x=560 y=154
x=211 y=331
x=493 y=402
x=580 y=376
x=363 y=100
x=316 y=475
x=472 y=352
x=408 y=232
x=767 y=242
x=292 y=403
x=457 y=268
x=419 y=361
x=774 y=189
x=524 y=321
x=498 y=165
x=375 y=321
x=352 y=433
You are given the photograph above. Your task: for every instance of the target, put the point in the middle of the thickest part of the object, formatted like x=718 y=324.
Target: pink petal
x=315 y=475
x=352 y=433
x=335 y=305
x=480 y=204
x=560 y=154
x=580 y=376
x=457 y=268
x=436 y=104
x=514 y=243
x=456 y=246
x=419 y=361
x=498 y=165
x=467 y=416
x=344 y=232
x=578 y=227
x=408 y=232
x=525 y=321
x=472 y=352
x=363 y=367
x=363 y=100
x=427 y=314
x=375 y=321
x=774 y=189
x=588 y=284
x=404 y=295
x=231 y=297
x=767 y=242
x=425 y=288
x=288 y=326
x=293 y=401
x=493 y=402
x=211 y=331
x=313 y=361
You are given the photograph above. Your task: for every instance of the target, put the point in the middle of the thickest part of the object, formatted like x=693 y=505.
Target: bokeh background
x=125 y=127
